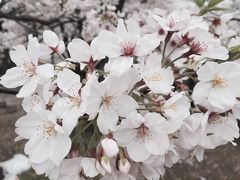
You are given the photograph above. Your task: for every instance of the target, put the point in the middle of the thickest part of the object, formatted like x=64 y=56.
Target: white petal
x=200 y=92
x=61 y=47
x=71 y=166
x=118 y=66
x=66 y=109
x=222 y=98
x=107 y=119
x=14 y=77
x=107 y=44
x=40 y=152
x=217 y=52
x=125 y=105
x=32 y=143
x=28 y=88
x=19 y=55
x=33 y=103
x=79 y=50
x=89 y=168
x=137 y=151
x=133 y=27
x=121 y=29
x=26 y=132
x=45 y=70
x=69 y=82
x=60 y=147
x=96 y=55
x=158 y=143
x=207 y=71
x=124 y=137
x=146 y=44
x=32 y=48
x=50 y=38
x=153 y=62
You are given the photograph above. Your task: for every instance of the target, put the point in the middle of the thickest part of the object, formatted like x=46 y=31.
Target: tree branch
x=24 y=18
x=8 y=91
x=120 y=5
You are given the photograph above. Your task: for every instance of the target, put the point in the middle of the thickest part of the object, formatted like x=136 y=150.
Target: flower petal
x=137 y=151
x=79 y=50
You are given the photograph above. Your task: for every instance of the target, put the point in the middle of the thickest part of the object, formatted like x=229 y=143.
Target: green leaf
x=213 y=3
x=199 y=3
x=206 y=10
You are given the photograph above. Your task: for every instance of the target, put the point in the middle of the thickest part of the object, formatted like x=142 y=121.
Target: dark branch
x=235 y=19
x=8 y=91
x=12 y=16
x=120 y=5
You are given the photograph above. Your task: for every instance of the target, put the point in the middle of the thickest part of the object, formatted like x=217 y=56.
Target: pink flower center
x=29 y=69
x=198 y=47
x=143 y=133
x=215 y=118
x=127 y=48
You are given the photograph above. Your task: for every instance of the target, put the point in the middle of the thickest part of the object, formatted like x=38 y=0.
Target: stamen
x=127 y=48
x=218 y=82
x=143 y=133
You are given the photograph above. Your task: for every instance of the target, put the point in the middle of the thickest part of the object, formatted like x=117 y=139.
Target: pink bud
x=110 y=147
x=124 y=165
x=105 y=162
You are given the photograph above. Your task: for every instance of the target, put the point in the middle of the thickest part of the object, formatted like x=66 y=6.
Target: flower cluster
x=130 y=103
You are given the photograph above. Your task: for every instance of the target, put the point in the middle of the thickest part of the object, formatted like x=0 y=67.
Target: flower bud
x=105 y=162
x=124 y=165
x=100 y=169
x=110 y=147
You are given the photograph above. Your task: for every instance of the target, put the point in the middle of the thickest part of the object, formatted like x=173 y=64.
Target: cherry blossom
x=125 y=102
x=129 y=44
x=176 y=21
x=147 y=134
x=27 y=72
x=68 y=108
x=217 y=88
x=158 y=79
x=47 y=139
x=110 y=101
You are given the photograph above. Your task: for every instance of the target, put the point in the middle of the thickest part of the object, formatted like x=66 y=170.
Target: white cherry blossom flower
x=110 y=100
x=218 y=87
x=69 y=107
x=123 y=45
x=46 y=139
x=148 y=135
x=207 y=131
x=203 y=43
x=158 y=79
x=27 y=72
x=176 y=21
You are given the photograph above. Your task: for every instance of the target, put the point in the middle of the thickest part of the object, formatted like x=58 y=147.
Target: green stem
x=173 y=61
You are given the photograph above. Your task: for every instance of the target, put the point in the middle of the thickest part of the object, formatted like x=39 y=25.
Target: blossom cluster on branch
x=132 y=102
